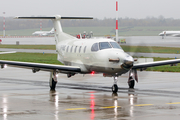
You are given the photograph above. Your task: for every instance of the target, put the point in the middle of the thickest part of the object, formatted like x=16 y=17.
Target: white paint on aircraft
x=43 y=33
x=170 y=33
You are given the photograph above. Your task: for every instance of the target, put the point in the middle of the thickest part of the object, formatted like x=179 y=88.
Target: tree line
x=14 y=24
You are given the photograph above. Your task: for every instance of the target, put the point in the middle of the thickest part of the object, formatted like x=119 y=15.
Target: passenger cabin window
x=75 y=49
x=95 y=47
x=104 y=45
x=115 y=45
x=71 y=48
x=67 y=49
x=79 y=49
x=84 y=49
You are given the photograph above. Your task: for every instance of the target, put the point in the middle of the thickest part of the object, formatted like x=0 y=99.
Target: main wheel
x=114 y=88
x=131 y=84
x=53 y=84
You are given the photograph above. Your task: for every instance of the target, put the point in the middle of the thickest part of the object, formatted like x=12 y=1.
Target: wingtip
x=16 y=17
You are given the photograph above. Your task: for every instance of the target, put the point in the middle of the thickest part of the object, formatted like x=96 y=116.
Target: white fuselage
x=79 y=52
x=170 y=33
x=43 y=33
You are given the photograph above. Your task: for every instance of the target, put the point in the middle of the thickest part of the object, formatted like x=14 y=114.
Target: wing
x=176 y=35
x=39 y=66
x=157 y=63
x=7 y=52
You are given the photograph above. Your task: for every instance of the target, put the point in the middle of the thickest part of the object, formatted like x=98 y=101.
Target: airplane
x=43 y=33
x=169 y=33
x=87 y=56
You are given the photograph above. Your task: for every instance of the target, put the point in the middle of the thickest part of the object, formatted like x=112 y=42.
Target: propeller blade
x=135 y=74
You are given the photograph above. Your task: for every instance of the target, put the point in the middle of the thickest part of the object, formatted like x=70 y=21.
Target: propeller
x=134 y=52
x=133 y=74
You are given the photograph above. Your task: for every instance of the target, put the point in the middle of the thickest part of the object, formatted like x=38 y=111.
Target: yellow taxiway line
x=140 y=105
x=111 y=107
x=143 y=105
x=174 y=103
x=76 y=109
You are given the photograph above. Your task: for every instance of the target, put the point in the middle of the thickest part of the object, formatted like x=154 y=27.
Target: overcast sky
x=96 y=8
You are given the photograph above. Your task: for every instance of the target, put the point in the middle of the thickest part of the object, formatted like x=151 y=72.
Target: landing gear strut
x=53 y=80
x=115 y=87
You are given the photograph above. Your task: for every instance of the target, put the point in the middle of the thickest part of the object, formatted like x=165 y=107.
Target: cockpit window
x=115 y=45
x=104 y=45
x=95 y=47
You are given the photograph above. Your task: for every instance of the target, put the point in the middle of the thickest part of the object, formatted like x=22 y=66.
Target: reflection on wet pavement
x=22 y=97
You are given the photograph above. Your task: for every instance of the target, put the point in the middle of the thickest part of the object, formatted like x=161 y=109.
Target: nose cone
x=128 y=62
x=160 y=34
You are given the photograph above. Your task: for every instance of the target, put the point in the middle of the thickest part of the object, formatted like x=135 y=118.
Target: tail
x=58 y=32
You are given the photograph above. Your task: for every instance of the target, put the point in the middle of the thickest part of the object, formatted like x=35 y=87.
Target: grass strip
x=31 y=57
x=45 y=47
x=141 y=49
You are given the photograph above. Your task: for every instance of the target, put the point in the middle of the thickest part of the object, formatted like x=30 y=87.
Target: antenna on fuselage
x=116 y=21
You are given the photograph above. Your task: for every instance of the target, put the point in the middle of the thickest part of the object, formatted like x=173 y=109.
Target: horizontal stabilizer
x=58 y=32
x=76 y=17
x=35 y=17
x=55 y=17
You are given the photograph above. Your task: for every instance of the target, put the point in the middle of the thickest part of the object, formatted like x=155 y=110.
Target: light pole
x=4 y=34
x=116 y=21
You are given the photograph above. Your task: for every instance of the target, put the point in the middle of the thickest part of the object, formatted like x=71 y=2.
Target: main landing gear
x=132 y=77
x=131 y=83
x=53 y=80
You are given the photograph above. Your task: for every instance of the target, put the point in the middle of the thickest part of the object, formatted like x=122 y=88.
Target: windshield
x=104 y=45
x=115 y=45
x=94 y=47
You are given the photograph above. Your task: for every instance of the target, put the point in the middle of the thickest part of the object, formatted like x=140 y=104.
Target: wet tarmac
x=29 y=40
x=25 y=95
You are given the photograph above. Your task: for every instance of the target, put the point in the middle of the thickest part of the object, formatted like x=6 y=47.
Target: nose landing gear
x=115 y=87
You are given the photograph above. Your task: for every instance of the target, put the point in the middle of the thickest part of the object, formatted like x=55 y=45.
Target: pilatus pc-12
x=86 y=56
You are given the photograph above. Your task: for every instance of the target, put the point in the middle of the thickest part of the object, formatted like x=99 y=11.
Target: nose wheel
x=115 y=87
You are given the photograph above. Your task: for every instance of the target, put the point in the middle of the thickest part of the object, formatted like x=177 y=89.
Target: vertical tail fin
x=58 y=32
x=52 y=30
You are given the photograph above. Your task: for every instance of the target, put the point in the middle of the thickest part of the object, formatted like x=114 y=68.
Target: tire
x=114 y=88
x=53 y=84
x=131 y=84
